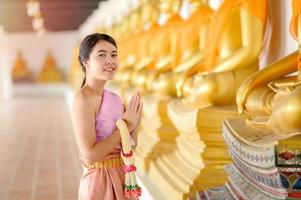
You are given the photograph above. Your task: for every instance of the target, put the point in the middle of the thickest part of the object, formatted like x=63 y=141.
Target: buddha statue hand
x=286 y=118
x=273 y=76
x=283 y=101
x=286 y=87
x=243 y=91
x=205 y=90
x=184 y=80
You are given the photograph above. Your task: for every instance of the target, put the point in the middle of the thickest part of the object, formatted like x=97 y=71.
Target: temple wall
x=5 y=79
x=281 y=43
x=34 y=48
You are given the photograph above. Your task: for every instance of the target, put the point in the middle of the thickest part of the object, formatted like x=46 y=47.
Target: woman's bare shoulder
x=82 y=98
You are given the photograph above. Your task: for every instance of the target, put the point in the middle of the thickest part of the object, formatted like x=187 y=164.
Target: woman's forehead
x=104 y=45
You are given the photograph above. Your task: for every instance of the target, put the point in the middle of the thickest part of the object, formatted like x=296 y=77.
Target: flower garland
x=131 y=188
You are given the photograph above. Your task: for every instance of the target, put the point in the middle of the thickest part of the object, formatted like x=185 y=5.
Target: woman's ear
x=86 y=63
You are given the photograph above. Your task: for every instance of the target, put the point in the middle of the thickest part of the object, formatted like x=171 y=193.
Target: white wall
x=34 y=48
x=290 y=44
x=5 y=78
x=281 y=42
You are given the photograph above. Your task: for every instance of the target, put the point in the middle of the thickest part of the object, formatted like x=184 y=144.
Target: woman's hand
x=132 y=113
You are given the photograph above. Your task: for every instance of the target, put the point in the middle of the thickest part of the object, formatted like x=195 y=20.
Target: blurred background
x=220 y=81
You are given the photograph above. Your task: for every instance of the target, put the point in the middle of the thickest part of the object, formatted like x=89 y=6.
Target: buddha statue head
x=114 y=31
x=169 y=6
x=49 y=61
x=99 y=29
x=199 y=2
x=125 y=26
x=20 y=71
x=150 y=11
x=19 y=63
x=118 y=31
x=135 y=23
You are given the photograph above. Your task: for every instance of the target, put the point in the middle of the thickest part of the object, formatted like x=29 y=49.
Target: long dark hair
x=87 y=45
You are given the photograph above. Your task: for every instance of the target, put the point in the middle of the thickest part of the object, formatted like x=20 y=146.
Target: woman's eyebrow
x=101 y=50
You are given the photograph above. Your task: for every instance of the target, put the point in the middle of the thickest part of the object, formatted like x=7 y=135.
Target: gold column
x=157 y=134
x=201 y=152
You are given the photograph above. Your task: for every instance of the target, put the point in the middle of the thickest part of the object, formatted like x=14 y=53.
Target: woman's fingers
x=140 y=108
x=134 y=102
x=137 y=102
x=131 y=103
x=134 y=108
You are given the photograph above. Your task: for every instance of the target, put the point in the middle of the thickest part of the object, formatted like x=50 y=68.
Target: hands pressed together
x=132 y=113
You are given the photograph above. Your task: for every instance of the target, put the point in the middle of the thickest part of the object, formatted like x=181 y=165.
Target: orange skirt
x=102 y=181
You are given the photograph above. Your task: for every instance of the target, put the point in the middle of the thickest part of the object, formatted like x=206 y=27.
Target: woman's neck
x=96 y=86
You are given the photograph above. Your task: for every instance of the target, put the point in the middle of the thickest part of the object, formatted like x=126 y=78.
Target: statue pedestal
x=265 y=165
x=157 y=135
x=200 y=155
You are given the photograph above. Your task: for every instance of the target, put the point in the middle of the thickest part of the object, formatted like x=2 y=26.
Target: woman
x=94 y=113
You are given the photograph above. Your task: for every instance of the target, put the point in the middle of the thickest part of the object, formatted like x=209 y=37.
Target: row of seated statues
x=49 y=72
x=216 y=124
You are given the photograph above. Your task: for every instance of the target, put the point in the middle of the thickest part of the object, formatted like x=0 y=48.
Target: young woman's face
x=103 y=61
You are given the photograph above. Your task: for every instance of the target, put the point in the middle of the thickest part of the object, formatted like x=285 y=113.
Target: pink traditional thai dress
x=104 y=180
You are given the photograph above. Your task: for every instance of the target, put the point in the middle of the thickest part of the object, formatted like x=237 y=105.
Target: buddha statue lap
x=190 y=50
x=270 y=97
x=233 y=45
x=165 y=42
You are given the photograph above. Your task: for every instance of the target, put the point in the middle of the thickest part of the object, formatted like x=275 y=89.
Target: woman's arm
x=134 y=136
x=83 y=118
x=136 y=104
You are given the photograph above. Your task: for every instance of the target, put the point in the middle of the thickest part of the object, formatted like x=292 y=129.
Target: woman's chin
x=110 y=77
x=107 y=76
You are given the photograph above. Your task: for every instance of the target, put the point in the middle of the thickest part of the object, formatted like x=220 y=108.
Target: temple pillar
x=5 y=77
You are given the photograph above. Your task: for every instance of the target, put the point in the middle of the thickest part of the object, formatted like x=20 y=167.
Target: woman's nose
x=108 y=61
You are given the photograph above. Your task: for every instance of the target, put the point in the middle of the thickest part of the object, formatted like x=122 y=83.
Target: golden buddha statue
x=165 y=42
x=50 y=72
x=200 y=153
x=190 y=50
x=75 y=74
x=20 y=73
x=157 y=134
x=271 y=98
x=129 y=54
x=123 y=29
x=122 y=43
x=234 y=42
x=149 y=17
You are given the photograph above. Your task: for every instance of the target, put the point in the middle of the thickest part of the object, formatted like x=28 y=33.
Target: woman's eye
x=114 y=55
x=102 y=55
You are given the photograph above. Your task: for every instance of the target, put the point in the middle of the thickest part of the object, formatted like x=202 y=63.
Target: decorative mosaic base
x=245 y=188
x=265 y=166
x=219 y=193
x=291 y=180
x=288 y=157
x=263 y=158
x=268 y=180
x=274 y=172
